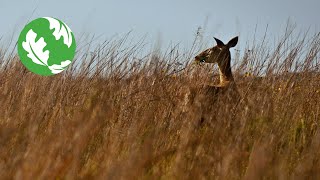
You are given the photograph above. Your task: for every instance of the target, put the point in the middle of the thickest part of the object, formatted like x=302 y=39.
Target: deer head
x=219 y=54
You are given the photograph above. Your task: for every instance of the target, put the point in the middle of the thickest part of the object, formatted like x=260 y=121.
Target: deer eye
x=202 y=59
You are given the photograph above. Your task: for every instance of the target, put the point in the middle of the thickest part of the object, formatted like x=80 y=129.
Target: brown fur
x=220 y=54
x=226 y=91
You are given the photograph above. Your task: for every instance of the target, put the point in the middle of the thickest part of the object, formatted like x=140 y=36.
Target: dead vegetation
x=114 y=116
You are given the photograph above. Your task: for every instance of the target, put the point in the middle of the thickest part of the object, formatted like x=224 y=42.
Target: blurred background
x=166 y=21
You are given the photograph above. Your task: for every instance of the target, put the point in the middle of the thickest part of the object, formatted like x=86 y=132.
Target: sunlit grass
x=119 y=114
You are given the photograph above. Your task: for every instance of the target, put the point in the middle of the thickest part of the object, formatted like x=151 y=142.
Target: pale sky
x=173 y=21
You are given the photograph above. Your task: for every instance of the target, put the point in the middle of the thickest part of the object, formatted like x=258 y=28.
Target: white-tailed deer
x=220 y=54
x=206 y=98
x=204 y=102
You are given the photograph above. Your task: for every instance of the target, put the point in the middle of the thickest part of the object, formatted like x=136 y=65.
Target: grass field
x=112 y=115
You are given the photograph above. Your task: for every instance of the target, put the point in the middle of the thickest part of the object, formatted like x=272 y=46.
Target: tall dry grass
x=115 y=116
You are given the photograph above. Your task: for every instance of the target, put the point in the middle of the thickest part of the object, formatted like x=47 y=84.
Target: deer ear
x=233 y=42
x=219 y=43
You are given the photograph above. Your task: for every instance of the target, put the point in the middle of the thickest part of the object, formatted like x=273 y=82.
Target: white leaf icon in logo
x=60 y=29
x=35 y=49
x=38 y=56
x=56 y=68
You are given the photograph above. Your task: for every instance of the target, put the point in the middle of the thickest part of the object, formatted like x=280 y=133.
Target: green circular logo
x=46 y=46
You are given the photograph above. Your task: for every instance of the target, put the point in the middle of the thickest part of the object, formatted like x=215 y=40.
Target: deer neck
x=225 y=72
